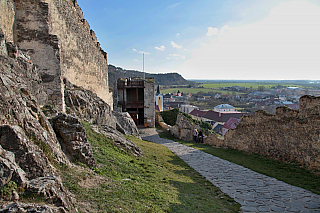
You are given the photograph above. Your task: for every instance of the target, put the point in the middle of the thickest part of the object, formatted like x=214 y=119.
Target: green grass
x=247 y=85
x=158 y=182
x=290 y=173
x=196 y=90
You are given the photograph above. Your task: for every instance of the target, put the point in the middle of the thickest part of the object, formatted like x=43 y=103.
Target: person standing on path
x=200 y=136
x=195 y=135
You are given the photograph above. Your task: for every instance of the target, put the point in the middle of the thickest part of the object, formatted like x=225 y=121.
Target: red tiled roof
x=231 y=123
x=198 y=113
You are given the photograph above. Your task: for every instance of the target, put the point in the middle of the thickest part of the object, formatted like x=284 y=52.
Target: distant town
x=223 y=106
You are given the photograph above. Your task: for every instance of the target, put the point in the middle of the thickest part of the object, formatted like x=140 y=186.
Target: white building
x=188 y=108
x=224 y=108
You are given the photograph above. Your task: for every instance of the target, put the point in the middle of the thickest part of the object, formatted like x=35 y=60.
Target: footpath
x=255 y=192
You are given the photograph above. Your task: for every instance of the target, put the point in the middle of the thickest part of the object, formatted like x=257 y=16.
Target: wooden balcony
x=130 y=84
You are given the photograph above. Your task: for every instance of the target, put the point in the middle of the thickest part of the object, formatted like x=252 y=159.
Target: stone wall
x=7 y=18
x=290 y=135
x=149 y=110
x=184 y=128
x=61 y=44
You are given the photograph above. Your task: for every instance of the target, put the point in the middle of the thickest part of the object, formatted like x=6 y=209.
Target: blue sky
x=211 y=39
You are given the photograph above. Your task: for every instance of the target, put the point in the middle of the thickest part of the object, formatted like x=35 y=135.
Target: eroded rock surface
x=120 y=140
x=28 y=155
x=125 y=124
x=30 y=208
x=10 y=170
x=52 y=190
x=87 y=105
x=73 y=139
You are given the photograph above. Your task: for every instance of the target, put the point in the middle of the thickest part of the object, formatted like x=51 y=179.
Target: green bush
x=170 y=116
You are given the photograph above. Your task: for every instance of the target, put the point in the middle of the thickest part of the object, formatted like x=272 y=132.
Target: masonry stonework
x=60 y=43
x=149 y=110
x=289 y=135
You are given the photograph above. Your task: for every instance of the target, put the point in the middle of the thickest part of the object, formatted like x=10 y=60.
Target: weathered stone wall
x=61 y=44
x=183 y=128
x=214 y=141
x=291 y=135
x=7 y=18
x=83 y=62
x=31 y=33
x=149 y=110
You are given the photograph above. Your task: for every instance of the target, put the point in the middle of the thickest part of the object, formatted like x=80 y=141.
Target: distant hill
x=162 y=79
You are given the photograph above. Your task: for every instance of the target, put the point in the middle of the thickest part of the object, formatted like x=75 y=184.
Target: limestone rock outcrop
x=125 y=124
x=184 y=128
x=73 y=139
x=53 y=191
x=30 y=208
x=120 y=140
x=18 y=105
x=10 y=170
x=87 y=105
x=28 y=155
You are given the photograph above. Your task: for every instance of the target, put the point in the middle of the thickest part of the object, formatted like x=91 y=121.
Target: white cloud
x=224 y=28
x=177 y=56
x=146 y=53
x=177 y=35
x=212 y=31
x=284 y=45
x=162 y=48
x=136 y=60
x=175 y=45
x=168 y=57
x=134 y=50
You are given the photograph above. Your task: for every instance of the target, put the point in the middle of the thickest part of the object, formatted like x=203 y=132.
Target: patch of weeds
x=7 y=189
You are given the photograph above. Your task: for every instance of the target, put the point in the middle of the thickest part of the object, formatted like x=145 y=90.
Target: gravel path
x=255 y=192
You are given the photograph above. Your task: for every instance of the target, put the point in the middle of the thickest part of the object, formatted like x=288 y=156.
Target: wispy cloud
x=134 y=50
x=170 y=7
x=176 y=56
x=146 y=53
x=162 y=48
x=175 y=45
x=177 y=35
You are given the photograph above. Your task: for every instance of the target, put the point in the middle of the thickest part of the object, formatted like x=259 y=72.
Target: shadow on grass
x=196 y=194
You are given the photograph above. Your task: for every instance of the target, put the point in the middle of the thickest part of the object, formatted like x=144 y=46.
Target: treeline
x=114 y=73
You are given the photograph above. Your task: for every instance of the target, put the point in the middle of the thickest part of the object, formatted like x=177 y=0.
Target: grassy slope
x=289 y=173
x=158 y=182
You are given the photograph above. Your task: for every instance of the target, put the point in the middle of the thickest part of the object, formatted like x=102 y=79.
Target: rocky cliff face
x=291 y=135
x=51 y=47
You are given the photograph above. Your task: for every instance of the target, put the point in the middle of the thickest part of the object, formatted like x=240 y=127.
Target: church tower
x=159 y=99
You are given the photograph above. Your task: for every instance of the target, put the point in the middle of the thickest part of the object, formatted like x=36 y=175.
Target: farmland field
x=247 y=85
x=196 y=90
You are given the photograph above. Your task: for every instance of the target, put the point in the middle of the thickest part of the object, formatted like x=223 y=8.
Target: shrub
x=170 y=116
